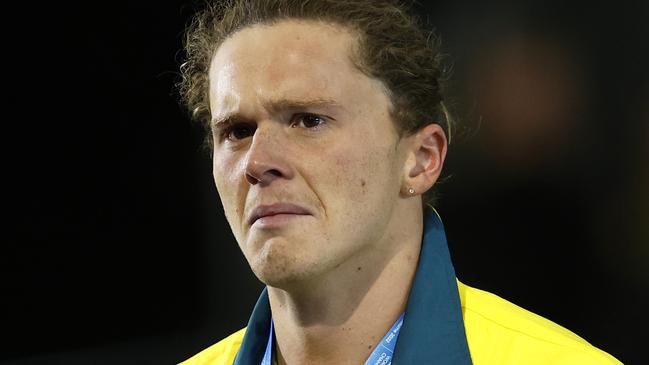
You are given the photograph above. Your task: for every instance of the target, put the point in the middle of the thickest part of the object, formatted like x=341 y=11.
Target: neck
x=340 y=318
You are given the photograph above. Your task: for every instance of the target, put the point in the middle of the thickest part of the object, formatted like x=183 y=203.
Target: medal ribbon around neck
x=382 y=354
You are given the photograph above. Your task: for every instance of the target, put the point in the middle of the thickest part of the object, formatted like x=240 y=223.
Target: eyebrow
x=279 y=105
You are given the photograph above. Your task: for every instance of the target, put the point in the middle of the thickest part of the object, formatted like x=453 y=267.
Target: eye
x=307 y=120
x=238 y=131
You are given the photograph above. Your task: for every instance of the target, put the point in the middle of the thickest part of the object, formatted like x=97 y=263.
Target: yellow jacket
x=446 y=322
x=498 y=332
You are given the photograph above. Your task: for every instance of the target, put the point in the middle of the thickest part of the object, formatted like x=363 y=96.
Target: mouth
x=276 y=213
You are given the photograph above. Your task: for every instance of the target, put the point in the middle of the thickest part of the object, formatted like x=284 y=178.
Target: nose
x=267 y=158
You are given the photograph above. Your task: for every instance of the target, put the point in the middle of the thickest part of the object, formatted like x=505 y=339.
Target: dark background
x=117 y=251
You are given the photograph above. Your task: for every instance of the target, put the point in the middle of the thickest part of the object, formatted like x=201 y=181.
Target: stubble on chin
x=277 y=264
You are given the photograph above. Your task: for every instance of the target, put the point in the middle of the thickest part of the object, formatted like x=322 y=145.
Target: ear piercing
x=411 y=191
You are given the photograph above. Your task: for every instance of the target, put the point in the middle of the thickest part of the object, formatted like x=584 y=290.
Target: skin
x=295 y=121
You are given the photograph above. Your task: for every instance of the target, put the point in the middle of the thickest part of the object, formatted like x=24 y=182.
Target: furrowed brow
x=288 y=104
x=277 y=105
x=224 y=120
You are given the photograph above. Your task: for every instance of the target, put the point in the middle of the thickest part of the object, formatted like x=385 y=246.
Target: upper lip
x=277 y=208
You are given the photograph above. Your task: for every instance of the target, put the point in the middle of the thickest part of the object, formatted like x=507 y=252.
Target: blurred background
x=117 y=251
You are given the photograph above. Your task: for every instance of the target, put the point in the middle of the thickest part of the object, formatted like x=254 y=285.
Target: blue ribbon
x=268 y=355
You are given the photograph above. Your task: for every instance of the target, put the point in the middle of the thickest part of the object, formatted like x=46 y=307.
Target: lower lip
x=276 y=221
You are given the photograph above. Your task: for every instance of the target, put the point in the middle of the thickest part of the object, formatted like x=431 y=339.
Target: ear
x=426 y=153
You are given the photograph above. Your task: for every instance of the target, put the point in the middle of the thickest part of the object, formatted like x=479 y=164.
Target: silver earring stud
x=411 y=191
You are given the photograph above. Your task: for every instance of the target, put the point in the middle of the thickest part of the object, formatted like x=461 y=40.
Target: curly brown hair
x=392 y=47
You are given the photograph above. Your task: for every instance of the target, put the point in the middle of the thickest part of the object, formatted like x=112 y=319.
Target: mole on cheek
x=362 y=182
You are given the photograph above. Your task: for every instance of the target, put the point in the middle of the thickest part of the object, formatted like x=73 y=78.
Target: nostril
x=251 y=179
x=265 y=178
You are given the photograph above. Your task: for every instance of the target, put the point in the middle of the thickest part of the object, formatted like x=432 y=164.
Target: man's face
x=296 y=123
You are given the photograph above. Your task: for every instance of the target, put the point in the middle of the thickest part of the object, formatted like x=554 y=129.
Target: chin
x=285 y=263
x=281 y=280
x=283 y=271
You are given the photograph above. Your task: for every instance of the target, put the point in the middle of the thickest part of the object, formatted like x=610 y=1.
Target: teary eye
x=307 y=120
x=238 y=131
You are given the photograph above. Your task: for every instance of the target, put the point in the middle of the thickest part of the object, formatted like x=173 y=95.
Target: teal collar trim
x=254 y=341
x=433 y=328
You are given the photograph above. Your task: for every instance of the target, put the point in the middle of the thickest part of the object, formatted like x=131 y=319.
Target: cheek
x=225 y=172
x=357 y=193
x=221 y=178
x=351 y=176
x=360 y=174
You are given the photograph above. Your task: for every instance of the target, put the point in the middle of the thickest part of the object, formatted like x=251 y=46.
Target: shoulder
x=501 y=332
x=221 y=353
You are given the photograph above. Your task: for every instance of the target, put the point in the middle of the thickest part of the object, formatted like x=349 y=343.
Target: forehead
x=290 y=59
